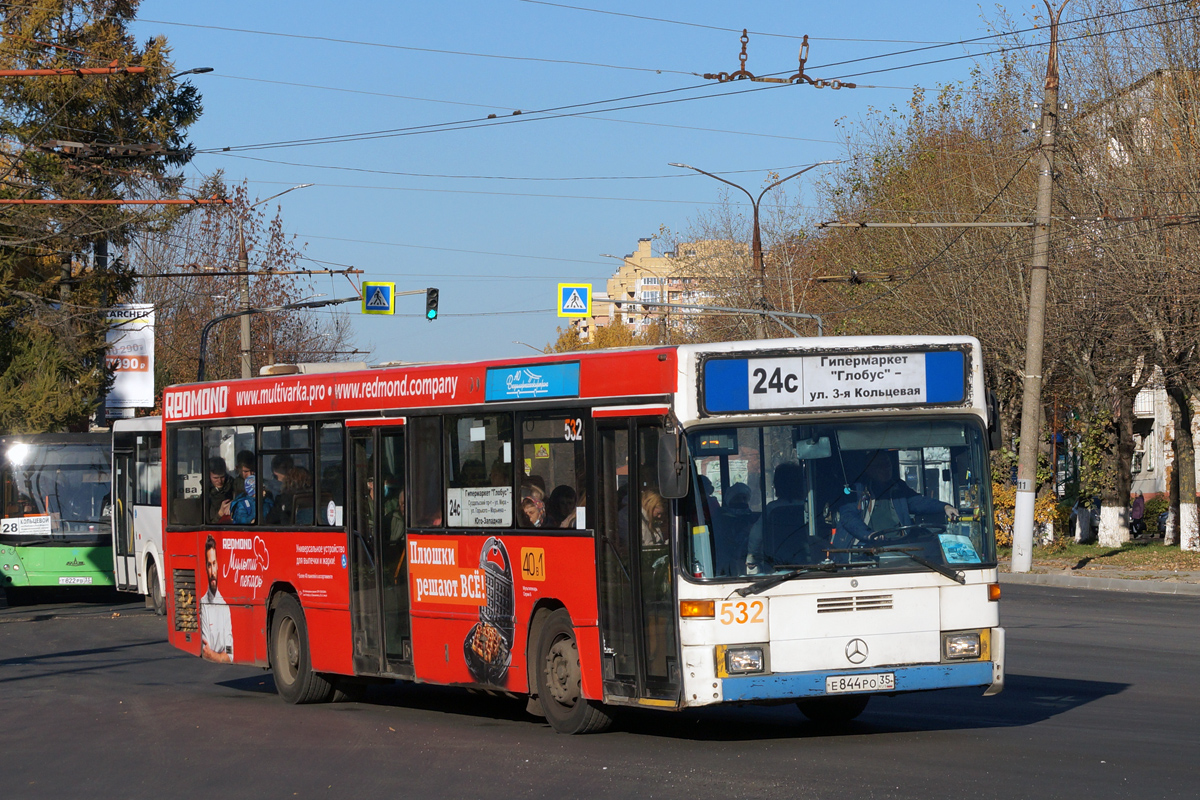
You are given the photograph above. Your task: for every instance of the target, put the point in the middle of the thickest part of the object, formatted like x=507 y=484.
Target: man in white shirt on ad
x=216 y=628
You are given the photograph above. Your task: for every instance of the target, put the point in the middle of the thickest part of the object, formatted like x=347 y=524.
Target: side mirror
x=993 y=422
x=672 y=466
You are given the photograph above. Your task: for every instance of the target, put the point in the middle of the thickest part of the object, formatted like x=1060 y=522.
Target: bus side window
x=186 y=476
x=479 y=455
x=552 y=464
x=331 y=498
x=425 y=472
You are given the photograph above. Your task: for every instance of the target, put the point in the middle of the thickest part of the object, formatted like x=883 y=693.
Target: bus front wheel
x=836 y=710
x=291 y=664
x=156 y=592
x=559 y=680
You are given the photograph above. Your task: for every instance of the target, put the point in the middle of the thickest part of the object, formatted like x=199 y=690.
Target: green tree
x=82 y=138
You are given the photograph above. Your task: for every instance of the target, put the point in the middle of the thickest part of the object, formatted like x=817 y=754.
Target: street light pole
x=244 y=279
x=756 y=241
x=245 y=314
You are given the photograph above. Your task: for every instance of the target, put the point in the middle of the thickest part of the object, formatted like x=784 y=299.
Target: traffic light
x=431 y=303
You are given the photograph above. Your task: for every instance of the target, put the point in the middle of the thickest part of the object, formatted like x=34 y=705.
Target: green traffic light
x=431 y=304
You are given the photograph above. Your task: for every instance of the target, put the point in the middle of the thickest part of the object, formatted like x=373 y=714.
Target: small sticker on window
x=958 y=549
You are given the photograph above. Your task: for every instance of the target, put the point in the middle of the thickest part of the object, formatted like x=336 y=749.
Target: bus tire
x=559 y=680
x=837 y=710
x=156 y=593
x=291 y=664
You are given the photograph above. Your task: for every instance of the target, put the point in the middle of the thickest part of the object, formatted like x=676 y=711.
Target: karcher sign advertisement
x=131 y=355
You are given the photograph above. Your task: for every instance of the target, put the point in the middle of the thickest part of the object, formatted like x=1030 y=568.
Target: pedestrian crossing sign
x=574 y=299
x=378 y=298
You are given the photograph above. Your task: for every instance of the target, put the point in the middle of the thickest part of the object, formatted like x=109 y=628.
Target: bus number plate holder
x=875 y=682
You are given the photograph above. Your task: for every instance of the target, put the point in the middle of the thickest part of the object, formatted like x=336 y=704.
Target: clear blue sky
x=495 y=215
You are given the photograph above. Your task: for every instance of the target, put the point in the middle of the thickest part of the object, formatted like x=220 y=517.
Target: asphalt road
x=1102 y=701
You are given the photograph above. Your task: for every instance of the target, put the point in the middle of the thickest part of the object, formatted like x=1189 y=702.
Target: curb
x=1102 y=584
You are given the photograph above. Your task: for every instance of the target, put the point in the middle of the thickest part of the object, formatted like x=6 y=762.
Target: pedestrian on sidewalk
x=1136 y=524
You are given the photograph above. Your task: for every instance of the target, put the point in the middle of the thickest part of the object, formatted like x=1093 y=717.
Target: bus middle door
x=633 y=556
x=379 y=604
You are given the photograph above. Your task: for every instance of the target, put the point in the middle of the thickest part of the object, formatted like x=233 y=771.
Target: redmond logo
x=197 y=402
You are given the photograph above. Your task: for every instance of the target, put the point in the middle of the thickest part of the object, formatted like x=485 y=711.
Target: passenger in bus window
x=293 y=503
x=879 y=501
x=220 y=491
x=242 y=509
x=501 y=473
x=560 y=508
x=780 y=535
x=532 y=508
x=472 y=474
x=654 y=517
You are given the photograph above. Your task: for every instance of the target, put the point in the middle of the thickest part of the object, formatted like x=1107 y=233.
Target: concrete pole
x=244 y=286
x=1039 y=268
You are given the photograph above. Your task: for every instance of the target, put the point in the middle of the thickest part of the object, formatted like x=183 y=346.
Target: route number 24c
x=741 y=612
x=777 y=382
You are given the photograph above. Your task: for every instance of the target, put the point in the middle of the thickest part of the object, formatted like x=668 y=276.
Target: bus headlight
x=962 y=645
x=744 y=660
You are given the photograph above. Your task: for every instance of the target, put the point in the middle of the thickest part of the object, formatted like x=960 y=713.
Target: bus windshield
x=874 y=495
x=55 y=493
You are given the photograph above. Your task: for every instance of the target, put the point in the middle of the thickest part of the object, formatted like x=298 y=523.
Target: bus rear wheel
x=837 y=710
x=291 y=664
x=559 y=680
x=156 y=593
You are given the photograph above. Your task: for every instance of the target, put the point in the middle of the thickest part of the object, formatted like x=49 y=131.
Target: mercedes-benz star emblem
x=856 y=651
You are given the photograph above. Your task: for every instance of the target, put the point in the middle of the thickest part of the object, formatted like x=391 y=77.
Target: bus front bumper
x=916 y=678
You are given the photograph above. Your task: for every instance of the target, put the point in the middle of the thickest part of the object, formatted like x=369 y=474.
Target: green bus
x=57 y=524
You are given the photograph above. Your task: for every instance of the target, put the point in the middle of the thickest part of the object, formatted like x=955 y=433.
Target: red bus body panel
x=557 y=570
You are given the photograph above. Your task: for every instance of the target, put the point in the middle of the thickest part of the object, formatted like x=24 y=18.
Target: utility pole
x=244 y=289
x=1039 y=268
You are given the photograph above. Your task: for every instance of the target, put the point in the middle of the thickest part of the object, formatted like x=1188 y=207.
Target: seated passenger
x=531 y=510
x=220 y=491
x=780 y=535
x=560 y=508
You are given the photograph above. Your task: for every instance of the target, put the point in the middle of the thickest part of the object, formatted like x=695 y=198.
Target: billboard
x=131 y=355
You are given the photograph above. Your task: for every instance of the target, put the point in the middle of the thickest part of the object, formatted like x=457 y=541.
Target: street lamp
x=192 y=71
x=245 y=315
x=756 y=244
x=244 y=270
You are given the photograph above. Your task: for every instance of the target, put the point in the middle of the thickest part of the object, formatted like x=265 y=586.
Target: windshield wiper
x=775 y=580
x=942 y=569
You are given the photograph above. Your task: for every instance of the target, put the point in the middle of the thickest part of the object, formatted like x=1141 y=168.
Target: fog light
x=744 y=660
x=962 y=645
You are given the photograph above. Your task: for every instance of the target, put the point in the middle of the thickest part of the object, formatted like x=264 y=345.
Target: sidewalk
x=1105 y=578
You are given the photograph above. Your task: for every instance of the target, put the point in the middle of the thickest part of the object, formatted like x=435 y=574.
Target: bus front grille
x=861 y=602
x=186 y=618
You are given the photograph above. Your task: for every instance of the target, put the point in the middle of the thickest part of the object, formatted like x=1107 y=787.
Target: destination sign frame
x=839 y=380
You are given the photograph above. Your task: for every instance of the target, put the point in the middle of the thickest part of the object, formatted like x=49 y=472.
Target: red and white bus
x=803 y=520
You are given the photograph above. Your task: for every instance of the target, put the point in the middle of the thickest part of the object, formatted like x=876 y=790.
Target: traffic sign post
x=378 y=298
x=574 y=299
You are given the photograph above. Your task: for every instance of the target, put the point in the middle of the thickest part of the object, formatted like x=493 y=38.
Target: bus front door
x=124 y=546
x=633 y=556
x=379 y=577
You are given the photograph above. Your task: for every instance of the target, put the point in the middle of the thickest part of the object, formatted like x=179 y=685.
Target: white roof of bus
x=138 y=424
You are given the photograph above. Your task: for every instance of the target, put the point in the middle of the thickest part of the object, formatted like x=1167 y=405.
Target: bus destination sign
x=834 y=380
